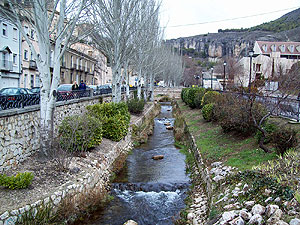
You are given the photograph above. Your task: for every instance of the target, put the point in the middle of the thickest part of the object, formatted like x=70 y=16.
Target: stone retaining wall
x=171 y=92
x=94 y=174
x=19 y=128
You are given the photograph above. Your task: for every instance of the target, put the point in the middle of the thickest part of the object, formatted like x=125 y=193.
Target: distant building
x=10 y=41
x=270 y=59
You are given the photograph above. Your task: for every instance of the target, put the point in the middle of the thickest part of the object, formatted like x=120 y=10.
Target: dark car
x=96 y=89
x=105 y=89
x=17 y=98
x=65 y=92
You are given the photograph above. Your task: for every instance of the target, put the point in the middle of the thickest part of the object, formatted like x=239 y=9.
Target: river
x=154 y=190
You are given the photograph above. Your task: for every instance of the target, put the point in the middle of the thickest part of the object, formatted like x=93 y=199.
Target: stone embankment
x=228 y=206
x=89 y=179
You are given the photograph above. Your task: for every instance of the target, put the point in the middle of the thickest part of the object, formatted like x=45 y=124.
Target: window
x=15 y=33
x=273 y=48
x=4 y=59
x=291 y=48
x=71 y=62
x=25 y=54
x=14 y=58
x=37 y=80
x=32 y=81
x=282 y=48
x=4 y=29
x=265 y=48
x=31 y=56
x=25 y=81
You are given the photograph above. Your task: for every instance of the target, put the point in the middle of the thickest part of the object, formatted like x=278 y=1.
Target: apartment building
x=269 y=59
x=10 y=47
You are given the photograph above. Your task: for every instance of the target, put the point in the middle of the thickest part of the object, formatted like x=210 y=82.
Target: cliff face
x=237 y=43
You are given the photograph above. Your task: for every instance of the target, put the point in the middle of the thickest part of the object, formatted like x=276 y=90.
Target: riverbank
x=245 y=197
x=69 y=191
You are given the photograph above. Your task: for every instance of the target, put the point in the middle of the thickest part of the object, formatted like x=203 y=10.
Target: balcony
x=6 y=65
x=32 y=65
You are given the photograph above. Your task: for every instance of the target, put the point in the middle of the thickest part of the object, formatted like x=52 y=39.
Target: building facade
x=10 y=56
x=270 y=59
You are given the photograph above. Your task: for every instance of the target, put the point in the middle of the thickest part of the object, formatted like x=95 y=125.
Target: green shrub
x=115 y=128
x=184 y=95
x=207 y=111
x=210 y=97
x=106 y=110
x=189 y=97
x=135 y=105
x=270 y=128
x=284 y=138
x=198 y=97
x=20 y=181
x=80 y=132
x=115 y=119
x=233 y=114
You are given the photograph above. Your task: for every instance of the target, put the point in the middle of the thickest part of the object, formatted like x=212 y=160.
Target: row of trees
x=126 y=31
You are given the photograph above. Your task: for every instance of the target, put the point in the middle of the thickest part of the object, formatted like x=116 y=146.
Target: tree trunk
x=151 y=87
x=139 y=86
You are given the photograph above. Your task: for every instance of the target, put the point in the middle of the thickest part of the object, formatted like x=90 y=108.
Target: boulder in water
x=157 y=157
x=167 y=124
x=130 y=222
x=169 y=128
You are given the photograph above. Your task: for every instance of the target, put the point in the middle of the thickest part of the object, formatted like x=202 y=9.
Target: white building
x=270 y=59
x=10 y=57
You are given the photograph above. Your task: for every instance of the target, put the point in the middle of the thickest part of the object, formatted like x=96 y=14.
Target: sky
x=182 y=12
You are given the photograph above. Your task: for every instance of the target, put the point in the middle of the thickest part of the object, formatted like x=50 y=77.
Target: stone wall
x=19 y=128
x=93 y=177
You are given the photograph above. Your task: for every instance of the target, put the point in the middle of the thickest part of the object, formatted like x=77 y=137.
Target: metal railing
x=21 y=101
x=288 y=107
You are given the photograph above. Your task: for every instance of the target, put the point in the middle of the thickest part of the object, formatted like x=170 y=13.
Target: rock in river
x=157 y=157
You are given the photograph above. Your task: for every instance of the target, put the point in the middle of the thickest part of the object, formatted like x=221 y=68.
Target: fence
x=278 y=106
x=21 y=101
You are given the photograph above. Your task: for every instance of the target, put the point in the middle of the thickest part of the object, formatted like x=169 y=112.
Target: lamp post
x=197 y=77
x=211 y=77
x=224 y=76
x=251 y=55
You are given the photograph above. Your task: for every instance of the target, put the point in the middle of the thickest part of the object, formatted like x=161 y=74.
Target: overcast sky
x=181 y=12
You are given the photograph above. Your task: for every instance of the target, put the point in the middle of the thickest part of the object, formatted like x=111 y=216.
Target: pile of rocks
x=220 y=172
x=254 y=214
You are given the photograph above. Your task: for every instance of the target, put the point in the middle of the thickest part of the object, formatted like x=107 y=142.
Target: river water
x=154 y=190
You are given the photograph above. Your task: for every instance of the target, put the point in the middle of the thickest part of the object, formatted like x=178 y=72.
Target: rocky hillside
x=237 y=42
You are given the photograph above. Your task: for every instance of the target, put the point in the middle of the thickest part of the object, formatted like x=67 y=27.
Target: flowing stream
x=154 y=190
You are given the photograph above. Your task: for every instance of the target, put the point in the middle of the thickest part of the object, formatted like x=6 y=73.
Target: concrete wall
x=19 y=136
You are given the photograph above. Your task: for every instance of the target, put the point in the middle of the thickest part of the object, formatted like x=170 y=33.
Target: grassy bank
x=215 y=145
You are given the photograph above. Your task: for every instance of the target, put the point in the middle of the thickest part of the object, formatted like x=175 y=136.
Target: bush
x=183 y=93
x=270 y=128
x=79 y=133
x=210 y=97
x=106 y=110
x=135 y=105
x=115 y=128
x=198 y=97
x=20 y=181
x=207 y=111
x=284 y=138
x=115 y=119
x=233 y=114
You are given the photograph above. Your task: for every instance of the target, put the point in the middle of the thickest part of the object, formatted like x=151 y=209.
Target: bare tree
x=289 y=85
x=54 y=23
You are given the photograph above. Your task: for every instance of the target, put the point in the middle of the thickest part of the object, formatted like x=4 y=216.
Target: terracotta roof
x=285 y=48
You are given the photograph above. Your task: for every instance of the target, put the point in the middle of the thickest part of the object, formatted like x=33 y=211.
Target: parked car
x=65 y=92
x=35 y=90
x=17 y=97
x=105 y=89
